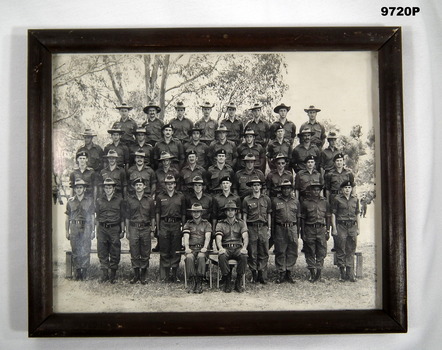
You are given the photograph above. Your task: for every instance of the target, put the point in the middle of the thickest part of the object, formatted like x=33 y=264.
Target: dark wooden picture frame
x=386 y=41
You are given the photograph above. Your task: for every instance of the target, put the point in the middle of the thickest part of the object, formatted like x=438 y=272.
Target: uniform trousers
x=169 y=240
x=109 y=246
x=195 y=263
x=140 y=246
x=345 y=245
x=232 y=254
x=286 y=247
x=80 y=239
x=258 y=248
x=315 y=246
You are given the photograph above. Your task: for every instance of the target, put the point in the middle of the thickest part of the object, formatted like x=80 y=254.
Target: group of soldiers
x=200 y=188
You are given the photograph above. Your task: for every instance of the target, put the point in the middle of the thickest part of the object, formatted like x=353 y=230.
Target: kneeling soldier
x=345 y=223
x=285 y=212
x=232 y=239
x=315 y=220
x=80 y=228
x=140 y=223
x=110 y=229
x=197 y=233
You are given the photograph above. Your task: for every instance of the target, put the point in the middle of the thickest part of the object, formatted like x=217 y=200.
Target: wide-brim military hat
x=315 y=184
x=332 y=135
x=124 y=106
x=197 y=180
x=116 y=128
x=280 y=156
x=140 y=153
x=109 y=181
x=230 y=205
x=249 y=131
x=166 y=155
x=207 y=104
x=312 y=108
x=88 y=132
x=169 y=179
x=254 y=180
x=79 y=182
x=141 y=131
x=222 y=128
x=151 y=105
x=196 y=207
x=281 y=106
x=111 y=154
x=255 y=106
x=190 y=132
x=285 y=183
x=180 y=104
x=231 y=105
x=306 y=131
x=249 y=156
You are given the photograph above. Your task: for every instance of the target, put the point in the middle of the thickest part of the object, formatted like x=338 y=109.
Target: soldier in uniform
x=222 y=143
x=153 y=124
x=117 y=174
x=95 y=152
x=141 y=144
x=109 y=221
x=143 y=171
x=201 y=149
x=364 y=204
x=232 y=240
x=304 y=149
x=217 y=171
x=305 y=177
x=233 y=124
x=181 y=125
x=84 y=173
x=336 y=177
x=285 y=219
x=165 y=169
x=345 y=224
x=278 y=175
x=206 y=124
x=199 y=197
x=140 y=224
x=196 y=232
x=170 y=217
x=315 y=223
x=80 y=228
x=127 y=124
x=256 y=211
x=171 y=145
x=250 y=146
x=288 y=126
x=116 y=145
x=258 y=125
x=189 y=171
x=318 y=137
x=278 y=145
x=243 y=176
x=327 y=155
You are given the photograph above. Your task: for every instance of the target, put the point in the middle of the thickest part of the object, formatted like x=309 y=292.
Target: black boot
x=156 y=249
x=113 y=276
x=173 y=275
x=104 y=276
x=312 y=275
x=83 y=274
x=228 y=283
x=351 y=275
x=289 y=277
x=77 y=275
x=199 y=285
x=318 y=275
x=136 y=277
x=143 y=277
x=281 y=278
x=342 y=275
x=238 y=284
x=254 y=276
x=261 y=277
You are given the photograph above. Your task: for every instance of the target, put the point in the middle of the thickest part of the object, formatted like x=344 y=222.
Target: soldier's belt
x=109 y=224
x=139 y=224
x=196 y=246
x=232 y=245
x=170 y=219
x=78 y=222
x=315 y=225
x=346 y=222
x=257 y=224
x=289 y=224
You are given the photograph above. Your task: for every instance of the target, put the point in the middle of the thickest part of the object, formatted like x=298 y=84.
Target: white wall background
x=422 y=54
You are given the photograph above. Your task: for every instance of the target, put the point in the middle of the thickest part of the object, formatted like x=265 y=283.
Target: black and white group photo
x=215 y=182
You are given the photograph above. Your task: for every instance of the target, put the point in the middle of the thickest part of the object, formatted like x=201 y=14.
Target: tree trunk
x=117 y=87
x=163 y=83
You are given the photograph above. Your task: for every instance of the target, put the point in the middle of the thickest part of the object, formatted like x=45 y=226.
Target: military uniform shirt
x=170 y=207
x=174 y=147
x=95 y=159
x=257 y=150
x=209 y=127
x=319 y=137
x=286 y=210
x=140 y=211
x=197 y=232
x=235 y=130
x=201 y=150
x=181 y=128
x=109 y=211
x=219 y=202
x=274 y=147
x=289 y=131
x=300 y=153
x=334 y=179
x=231 y=233
x=147 y=148
x=274 y=180
x=304 y=178
x=326 y=161
x=80 y=210
x=315 y=210
x=161 y=176
x=146 y=173
x=257 y=209
x=118 y=175
x=187 y=175
x=215 y=174
x=153 y=129
x=129 y=127
x=88 y=176
x=242 y=177
x=122 y=151
x=205 y=201
x=228 y=146
x=345 y=209
x=261 y=128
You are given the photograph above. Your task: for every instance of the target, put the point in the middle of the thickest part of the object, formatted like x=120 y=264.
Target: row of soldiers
x=217 y=209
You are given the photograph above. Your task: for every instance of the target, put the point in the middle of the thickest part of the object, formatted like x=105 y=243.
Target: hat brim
x=250 y=183
x=92 y=135
x=146 y=109
x=75 y=185
x=305 y=133
x=201 y=210
x=225 y=208
x=115 y=132
x=206 y=106
x=124 y=107
x=171 y=157
x=312 y=109
x=277 y=108
x=106 y=156
x=190 y=132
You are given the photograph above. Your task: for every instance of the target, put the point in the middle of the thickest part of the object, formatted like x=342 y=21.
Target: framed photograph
x=80 y=85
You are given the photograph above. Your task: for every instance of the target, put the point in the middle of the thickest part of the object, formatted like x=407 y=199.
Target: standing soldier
x=243 y=176
x=305 y=177
x=278 y=175
x=326 y=160
x=232 y=240
x=171 y=145
x=200 y=148
x=165 y=169
x=278 y=145
x=364 y=204
x=127 y=124
x=217 y=171
x=257 y=209
x=109 y=223
x=116 y=145
x=258 y=125
x=222 y=143
x=181 y=125
x=206 y=124
x=304 y=149
x=140 y=224
x=189 y=171
x=345 y=224
x=141 y=144
x=143 y=171
x=233 y=124
x=318 y=137
x=117 y=174
x=288 y=126
x=95 y=152
x=222 y=198
x=84 y=173
x=285 y=216
x=80 y=228
x=199 y=197
x=250 y=146
x=196 y=233
x=315 y=223
x=336 y=177
x=152 y=124
x=170 y=217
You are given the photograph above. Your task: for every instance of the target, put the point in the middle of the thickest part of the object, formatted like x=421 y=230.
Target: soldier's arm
x=207 y=237
x=245 y=240
x=186 y=242
x=127 y=229
x=67 y=224
x=333 y=223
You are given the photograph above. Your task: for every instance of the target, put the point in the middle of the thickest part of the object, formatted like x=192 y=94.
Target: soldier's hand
x=122 y=234
x=327 y=235
x=92 y=235
x=244 y=251
x=68 y=236
x=188 y=250
x=221 y=251
x=334 y=232
x=203 y=250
